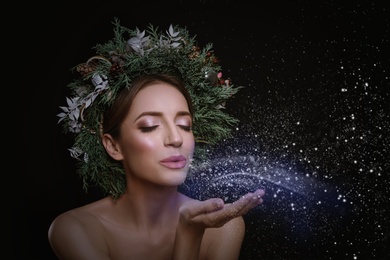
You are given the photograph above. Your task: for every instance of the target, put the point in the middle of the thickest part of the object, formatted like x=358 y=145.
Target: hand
x=196 y=216
x=215 y=213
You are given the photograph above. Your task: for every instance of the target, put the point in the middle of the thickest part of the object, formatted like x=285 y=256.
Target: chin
x=177 y=178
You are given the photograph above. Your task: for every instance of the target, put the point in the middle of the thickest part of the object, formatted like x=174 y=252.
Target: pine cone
x=84 y=69
x=195 y=52
x=116 y=69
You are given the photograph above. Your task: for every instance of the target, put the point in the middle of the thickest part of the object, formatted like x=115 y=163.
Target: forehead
x=159 y=96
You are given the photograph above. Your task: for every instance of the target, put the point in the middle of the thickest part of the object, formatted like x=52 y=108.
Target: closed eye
x=147 y=129
x=186 y=128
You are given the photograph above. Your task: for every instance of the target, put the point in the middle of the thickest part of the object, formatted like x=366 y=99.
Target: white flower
x=100 y=81
x=75 y=152
x=174 y=37
x=171 y=40
x=81 y=91
x=72 y=111
x=76 y=105
x=75 y=126
x=138 y=43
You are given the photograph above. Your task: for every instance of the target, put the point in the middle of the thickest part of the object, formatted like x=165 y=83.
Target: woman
x=147 y=129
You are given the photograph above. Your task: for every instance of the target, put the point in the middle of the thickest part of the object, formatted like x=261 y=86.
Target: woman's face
x=156 y=140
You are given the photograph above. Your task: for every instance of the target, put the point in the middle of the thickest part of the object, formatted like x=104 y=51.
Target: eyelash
x=148 y=129
x=186 y=128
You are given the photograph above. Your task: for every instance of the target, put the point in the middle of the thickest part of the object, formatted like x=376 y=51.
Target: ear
x=112 y=147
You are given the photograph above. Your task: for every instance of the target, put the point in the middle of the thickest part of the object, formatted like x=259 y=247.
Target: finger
x=242 y=205
x=259 y=192
x=195 y=208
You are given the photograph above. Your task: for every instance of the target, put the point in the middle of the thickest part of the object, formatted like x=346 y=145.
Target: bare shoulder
x=83 y=216
x=78 y=233
x=75 y=218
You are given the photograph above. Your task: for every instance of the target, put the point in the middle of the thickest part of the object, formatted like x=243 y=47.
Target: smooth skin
x=152 y=220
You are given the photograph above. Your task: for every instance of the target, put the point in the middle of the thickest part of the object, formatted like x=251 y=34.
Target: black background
x=300 y=61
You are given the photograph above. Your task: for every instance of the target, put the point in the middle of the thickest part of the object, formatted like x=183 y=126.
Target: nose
x=173 y=136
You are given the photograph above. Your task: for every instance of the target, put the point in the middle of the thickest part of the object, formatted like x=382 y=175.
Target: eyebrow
x=155 y=113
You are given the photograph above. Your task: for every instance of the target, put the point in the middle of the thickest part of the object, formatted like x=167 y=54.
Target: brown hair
x=116 y=113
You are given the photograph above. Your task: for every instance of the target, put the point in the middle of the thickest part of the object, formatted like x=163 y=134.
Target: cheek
x=133 y=145
x=143 y=144
x=190 y=144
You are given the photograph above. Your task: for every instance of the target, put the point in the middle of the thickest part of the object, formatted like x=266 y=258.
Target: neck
x=149 y=206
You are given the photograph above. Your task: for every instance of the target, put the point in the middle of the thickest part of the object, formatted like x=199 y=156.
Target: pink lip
x=174 y=162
